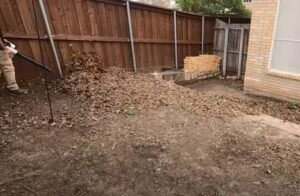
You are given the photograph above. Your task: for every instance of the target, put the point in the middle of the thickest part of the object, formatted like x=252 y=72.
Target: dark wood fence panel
x=18 y=24
x=189 y=32
x=154 y=37
x=209 y=29
x=101 y=26
x=91 y=26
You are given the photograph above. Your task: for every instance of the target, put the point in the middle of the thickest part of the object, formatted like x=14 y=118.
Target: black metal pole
x=51 y=120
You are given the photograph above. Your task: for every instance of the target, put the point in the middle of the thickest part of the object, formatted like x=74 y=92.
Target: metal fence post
x=241 y=53
x=131 y=36
x=175 y=40
x=225 y=50
x=203 y=34
x=50 y=37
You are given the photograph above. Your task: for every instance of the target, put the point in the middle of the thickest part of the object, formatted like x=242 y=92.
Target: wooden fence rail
x=102 y=26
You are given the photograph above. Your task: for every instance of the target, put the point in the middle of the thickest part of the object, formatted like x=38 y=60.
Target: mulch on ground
x=117 y=132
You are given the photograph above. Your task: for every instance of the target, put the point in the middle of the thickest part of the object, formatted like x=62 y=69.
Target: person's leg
x=10 y=77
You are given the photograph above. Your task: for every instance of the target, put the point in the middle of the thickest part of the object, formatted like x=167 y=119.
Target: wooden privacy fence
x=231 y=43
x=127 y=34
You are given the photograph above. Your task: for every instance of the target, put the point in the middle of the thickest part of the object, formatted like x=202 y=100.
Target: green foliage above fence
x=215 y=7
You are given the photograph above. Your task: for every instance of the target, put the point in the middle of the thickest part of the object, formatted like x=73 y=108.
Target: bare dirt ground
x=216 y=86
x=155 y=138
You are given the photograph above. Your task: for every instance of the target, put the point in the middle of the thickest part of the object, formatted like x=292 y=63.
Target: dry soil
x=126 y=134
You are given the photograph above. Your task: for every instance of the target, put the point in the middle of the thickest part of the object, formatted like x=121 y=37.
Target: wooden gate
x=231 y=43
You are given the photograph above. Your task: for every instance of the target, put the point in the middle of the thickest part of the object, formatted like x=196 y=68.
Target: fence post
x=41 y=4
x=175 y=39
x=225 y=50
x=241 y=53
x=215 y=45
x=203 y=34
x=131 y=36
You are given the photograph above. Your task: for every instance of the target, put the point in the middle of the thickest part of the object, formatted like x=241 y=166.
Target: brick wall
x=202 y=63
x=259 y=79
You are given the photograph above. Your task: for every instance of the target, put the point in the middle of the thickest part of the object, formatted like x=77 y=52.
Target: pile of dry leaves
x=116 y=90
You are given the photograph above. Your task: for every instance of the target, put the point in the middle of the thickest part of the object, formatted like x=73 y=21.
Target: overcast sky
x=171 y=1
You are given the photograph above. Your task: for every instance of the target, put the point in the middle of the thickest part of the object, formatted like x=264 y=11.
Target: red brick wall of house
x=259 y=79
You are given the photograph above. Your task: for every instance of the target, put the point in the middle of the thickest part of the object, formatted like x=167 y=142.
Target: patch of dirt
x=232 y=91
x=121 y=133
x=215 y=86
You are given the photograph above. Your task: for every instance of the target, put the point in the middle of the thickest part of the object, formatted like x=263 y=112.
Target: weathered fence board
x=102 y=26
x=236 y=52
